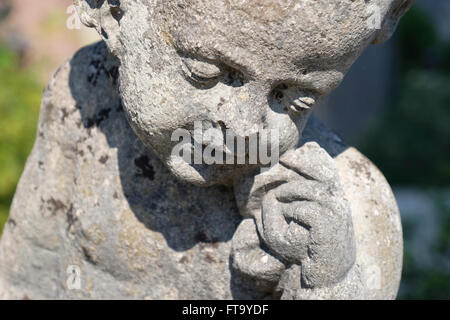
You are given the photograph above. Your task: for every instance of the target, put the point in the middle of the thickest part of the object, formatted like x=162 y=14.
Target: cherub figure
x=243 y=66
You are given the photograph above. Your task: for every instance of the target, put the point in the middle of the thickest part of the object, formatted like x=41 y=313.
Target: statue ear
x=104 y=16
x=392 y=19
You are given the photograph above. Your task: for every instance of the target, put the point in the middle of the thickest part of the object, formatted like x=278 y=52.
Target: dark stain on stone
x=98 y=118
x=12 y=222
x=81 y=140
x=71 y=218
x=57 y=72
x=209 y=258
x=331 y=190
x=116 y=195
x=184 y=259
x=90 y=123
x=89 y=132
x=209 y=244
x=361 y=168
x=88 y=255
x=65 y=114
x=215 y=244
x=145 y=169
x=221 y=103
x=47 y=114
x=41 y=206
x=103 y=159
x=55 y=206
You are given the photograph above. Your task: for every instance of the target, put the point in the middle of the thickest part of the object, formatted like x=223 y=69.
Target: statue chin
x=206 y=175
x=200 y=175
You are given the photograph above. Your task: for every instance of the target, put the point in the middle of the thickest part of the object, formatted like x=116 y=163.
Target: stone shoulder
x=80 y=94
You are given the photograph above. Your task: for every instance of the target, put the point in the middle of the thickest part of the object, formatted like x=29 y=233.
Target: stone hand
x=307 y=221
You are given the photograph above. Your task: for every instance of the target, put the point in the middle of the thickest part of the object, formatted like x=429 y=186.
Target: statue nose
x=235 y=123
x=244 y=112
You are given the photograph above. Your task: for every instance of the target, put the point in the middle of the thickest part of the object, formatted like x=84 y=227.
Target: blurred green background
x=34 y=40
x=409 y=140
x=20 y=95
x=410 y=143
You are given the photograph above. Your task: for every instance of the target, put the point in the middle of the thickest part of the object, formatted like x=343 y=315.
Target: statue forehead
x=304 y=16
x=299 y=20
x=262 y=10
x=258 y=10
x=288 y=31
x=267 y=10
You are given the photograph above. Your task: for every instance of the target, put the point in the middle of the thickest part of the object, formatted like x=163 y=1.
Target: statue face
x=237 y=65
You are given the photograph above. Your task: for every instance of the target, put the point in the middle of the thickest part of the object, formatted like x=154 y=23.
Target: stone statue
x=106 y=209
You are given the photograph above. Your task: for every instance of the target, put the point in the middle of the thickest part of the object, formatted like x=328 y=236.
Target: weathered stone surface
x=102 y=190
x=92 y=195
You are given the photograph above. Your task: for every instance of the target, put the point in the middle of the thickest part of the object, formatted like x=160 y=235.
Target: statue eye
x=294 y=99
x=201 y=73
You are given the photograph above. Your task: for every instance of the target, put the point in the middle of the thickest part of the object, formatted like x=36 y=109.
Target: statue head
x=237 y=65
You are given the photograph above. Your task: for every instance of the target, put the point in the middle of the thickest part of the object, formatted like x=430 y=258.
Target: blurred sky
x=37 y=29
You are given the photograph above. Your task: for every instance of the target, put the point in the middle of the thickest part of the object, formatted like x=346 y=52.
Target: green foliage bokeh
x=20 y=96
x=411 y=141
x=411 y=145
